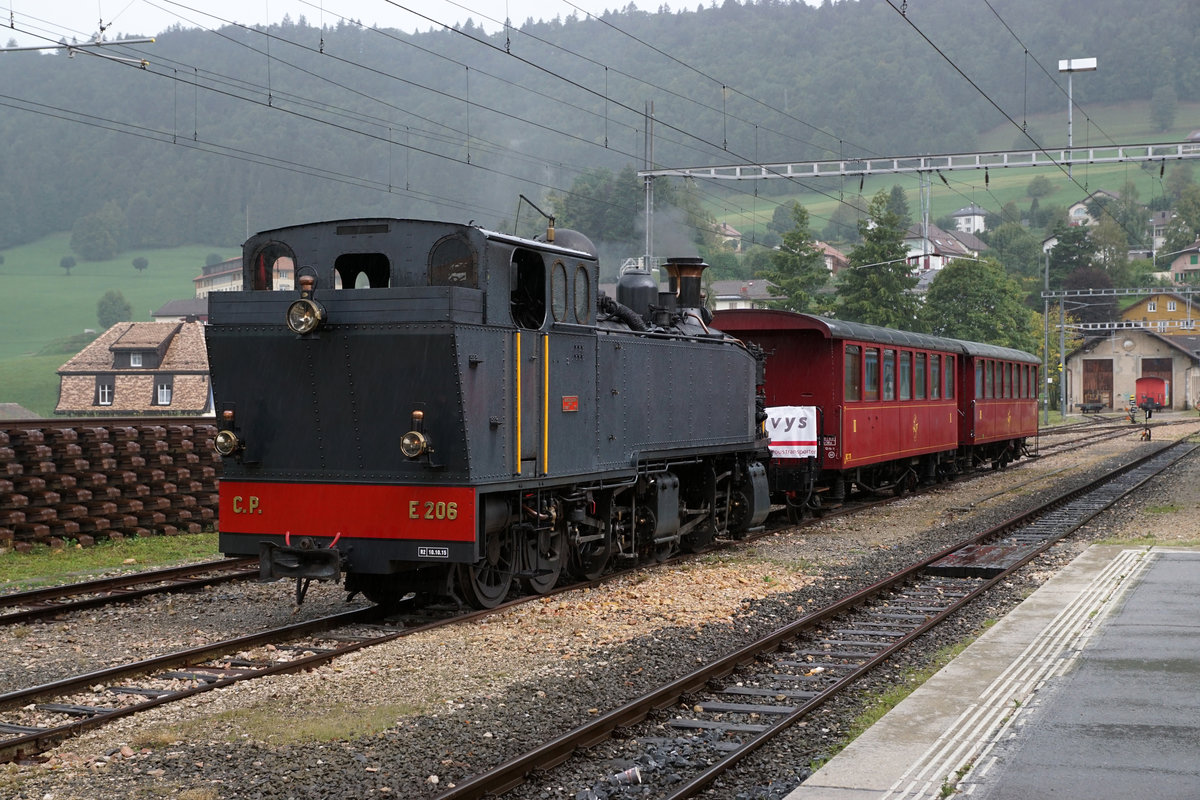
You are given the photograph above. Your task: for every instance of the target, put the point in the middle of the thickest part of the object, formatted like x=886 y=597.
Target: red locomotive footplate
x=330 y=509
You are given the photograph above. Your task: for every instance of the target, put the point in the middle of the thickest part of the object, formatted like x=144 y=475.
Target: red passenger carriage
x=892 y=406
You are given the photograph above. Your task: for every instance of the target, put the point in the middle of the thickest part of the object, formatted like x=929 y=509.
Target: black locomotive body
x=439 y=409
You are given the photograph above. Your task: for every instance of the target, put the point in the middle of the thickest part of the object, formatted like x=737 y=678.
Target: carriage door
x=1159 y=368
x=528 y=306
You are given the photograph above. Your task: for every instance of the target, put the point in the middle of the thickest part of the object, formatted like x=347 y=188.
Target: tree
x=977 y=300
x=876 y=287
x=843 y=223
x=1040 y=186
x=1072 y=252
x=140 y=263
x=1096 y=308
x=898 y=204
x=1018 y=249
x=798 y=266
x=99 y=236
x=1163 y=104
x=67 y=263
x=782 y=219
x=113 y=308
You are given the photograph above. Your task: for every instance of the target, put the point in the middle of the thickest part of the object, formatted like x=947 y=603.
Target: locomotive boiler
x=441 y=410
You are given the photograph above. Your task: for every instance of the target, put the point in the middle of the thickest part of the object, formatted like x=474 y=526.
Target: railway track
x=736 y=705
x=37 y=604
x=34 y=719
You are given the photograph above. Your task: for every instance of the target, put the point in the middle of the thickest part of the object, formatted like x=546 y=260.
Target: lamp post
x=1071 y=66
x=1046 y=346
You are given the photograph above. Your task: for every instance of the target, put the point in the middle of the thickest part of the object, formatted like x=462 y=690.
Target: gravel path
x=408 y=718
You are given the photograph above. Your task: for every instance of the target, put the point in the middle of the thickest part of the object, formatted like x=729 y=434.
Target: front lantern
x=226 y=442
x=305 y=314
x=414 y=443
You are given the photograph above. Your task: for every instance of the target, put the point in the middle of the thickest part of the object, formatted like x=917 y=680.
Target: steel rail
x=552 y=753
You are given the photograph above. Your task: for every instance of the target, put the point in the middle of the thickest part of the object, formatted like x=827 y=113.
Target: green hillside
x=41 y=304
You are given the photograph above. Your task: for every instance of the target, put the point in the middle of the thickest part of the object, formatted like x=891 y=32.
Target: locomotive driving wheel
x=485 y=583
x=544 y=552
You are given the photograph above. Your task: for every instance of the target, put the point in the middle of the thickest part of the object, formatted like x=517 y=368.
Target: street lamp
x=1071 y=66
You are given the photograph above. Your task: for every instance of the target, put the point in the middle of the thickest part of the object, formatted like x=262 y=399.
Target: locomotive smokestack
x=684 y=276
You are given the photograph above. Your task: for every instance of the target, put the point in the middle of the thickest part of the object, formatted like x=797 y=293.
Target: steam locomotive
x=441 y=410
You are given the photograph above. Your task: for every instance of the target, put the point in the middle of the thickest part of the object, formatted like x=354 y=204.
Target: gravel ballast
x=409 y=718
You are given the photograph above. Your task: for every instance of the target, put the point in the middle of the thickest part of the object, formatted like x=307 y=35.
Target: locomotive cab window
x=583 y=295
x=527 y=299
x=452 y=263
x=362 y=271
x=273 y=264
x=558 y=291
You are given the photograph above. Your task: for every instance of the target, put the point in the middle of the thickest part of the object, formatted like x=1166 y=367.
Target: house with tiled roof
x=931 y=248
x=138 y=369
x=187 y=309
x=835 y=259
x=1078 y=213
x=741 y=294
x=971 y=219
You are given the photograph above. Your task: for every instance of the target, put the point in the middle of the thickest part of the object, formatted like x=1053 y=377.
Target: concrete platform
x=1089 y=689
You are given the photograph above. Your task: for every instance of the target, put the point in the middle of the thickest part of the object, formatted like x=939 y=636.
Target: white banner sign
x=793 y=431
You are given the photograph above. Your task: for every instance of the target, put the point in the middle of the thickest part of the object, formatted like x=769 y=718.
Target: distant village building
x=1078 y=214
x=1105 y=368
x=1185 y=266
x=191 y=309
x=15 y=411
x=835 y=260
x=931 y=248
x=1164 y=312
x=139 y=368
x=226 y=276
x=971 y=219
x=741 y=294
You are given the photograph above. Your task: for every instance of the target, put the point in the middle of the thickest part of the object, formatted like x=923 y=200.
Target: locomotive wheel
x=590 y=559
x=544 y=551
x=485 y=584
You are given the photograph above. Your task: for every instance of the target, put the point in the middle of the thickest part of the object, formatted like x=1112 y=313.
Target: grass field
x=41 y=304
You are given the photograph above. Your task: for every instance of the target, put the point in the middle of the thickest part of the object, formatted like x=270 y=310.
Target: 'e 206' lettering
x=428 y=509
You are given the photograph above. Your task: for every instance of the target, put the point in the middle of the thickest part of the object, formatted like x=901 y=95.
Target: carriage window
x=989 y=380
x=871 y=374
x=978 y=380
x=583 y=295
x=362 y=271
x=935 y=376
x=558 y=291
x=272 y=264
x=919 y=377
x=948 y=375
x=905 y=375
x=1008 y=380
x=452 y=263
x=853 y=373
x=527 y=298
x=889 y=374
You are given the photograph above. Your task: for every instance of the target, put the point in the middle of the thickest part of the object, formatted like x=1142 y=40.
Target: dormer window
x=135 y=359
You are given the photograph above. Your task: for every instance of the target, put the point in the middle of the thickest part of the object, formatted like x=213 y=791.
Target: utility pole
x=1071 y=66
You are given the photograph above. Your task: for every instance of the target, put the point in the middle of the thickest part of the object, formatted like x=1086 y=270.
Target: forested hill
x=237 y=130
